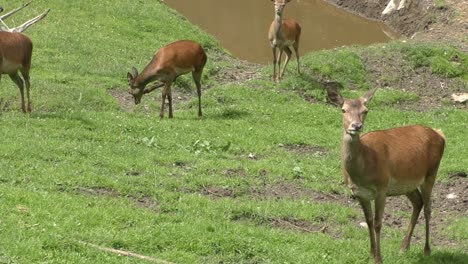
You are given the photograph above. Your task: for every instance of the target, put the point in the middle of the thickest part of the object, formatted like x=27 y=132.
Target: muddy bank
x=414 y=17
x=419 y=19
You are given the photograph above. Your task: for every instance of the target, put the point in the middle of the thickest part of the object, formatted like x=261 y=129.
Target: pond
x=242 y=26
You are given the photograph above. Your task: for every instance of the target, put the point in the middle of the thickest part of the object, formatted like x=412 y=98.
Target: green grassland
x=79 y=170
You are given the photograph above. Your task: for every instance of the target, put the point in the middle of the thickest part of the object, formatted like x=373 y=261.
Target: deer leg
x=274 y=63
x=163 y=100
x=367 y=208
x=417 y=202
x=379 y=210
x=288 y=57
x=17 y=79
x=296 y=50
x=426 y=191
x=28 y=86
x=280 y=55
x=197 y=77
x=169 y=98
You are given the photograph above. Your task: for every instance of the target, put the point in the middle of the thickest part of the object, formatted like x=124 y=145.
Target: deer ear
x=130 y=78
x=135 y=72
x=368 y=96
x=333 y=94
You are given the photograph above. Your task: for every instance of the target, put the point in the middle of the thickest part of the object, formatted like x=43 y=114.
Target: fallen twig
x=125 y=253
x=459 y=174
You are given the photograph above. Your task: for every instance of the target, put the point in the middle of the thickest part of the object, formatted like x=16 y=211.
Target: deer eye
x=343 y=111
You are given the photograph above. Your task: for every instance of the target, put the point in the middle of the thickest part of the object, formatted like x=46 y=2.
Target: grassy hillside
x=256 y=180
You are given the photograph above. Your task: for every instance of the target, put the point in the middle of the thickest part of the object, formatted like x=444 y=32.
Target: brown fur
x=168 y=63
x=397 y=161
x=15 y=56
x=283 y=34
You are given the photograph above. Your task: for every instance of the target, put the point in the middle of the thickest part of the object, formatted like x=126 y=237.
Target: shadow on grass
x=231 y=114
x=444 y=258
x=64 y=116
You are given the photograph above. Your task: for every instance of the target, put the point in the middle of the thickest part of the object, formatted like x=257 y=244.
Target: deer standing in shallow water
x=168 y=63
x=283 y=34
x=392 y=162
x=15 y=56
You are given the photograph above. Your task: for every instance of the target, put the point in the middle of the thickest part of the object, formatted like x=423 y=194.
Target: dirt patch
x=425 y=21
x=237 y=172
x=291 y=190
x=394 y=72
x=147 y=202
x=234 y=70
x=406 y=21
x=450 y=25
x=218 y=192
x=288 y=223
x=444 y=211
x=98 y=191
x=305 y=149
x=421 y=20
x=127 y=103
x=397 y=209
x=143 y=201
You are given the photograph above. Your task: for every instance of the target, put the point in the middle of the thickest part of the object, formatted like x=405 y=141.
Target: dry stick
x=125 y=253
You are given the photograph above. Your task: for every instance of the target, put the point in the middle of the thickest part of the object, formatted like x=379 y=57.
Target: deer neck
x=277 y=24
x=352 y=154
x=143 y=79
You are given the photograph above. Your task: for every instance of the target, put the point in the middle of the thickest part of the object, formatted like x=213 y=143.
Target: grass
x=79 y=169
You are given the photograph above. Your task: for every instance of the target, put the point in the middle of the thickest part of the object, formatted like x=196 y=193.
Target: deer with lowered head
x=169 y=62
x=283 y=34
x=392 y=162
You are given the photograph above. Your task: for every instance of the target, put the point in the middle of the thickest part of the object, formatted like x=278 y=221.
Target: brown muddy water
x=242 y=26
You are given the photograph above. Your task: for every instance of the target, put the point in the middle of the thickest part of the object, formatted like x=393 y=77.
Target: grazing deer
x=392 y=162
x=15 y=56
x=168 y=63
x=283 y=34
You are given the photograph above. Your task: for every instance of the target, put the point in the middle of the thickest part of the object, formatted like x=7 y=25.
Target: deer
x=16 y=53
x=15 y=57
x=283 y=34
x=392 y=162
x=168 y=63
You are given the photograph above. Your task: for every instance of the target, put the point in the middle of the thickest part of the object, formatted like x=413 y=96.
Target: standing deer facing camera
x=15 y=56
x=168 y=63
x=283 y=34
x=392 y=162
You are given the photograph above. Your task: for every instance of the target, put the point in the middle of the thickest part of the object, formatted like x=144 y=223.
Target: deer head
x=354 y=111
x=135 y=90
x=279 y=5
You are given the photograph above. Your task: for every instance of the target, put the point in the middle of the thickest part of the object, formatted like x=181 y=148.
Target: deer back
x=183 y=54
x=405 y=155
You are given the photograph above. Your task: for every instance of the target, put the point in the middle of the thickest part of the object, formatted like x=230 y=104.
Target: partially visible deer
x=168 y=63
x=16 y=52
x=283 y=34
x=15 y=56
x=392 y=162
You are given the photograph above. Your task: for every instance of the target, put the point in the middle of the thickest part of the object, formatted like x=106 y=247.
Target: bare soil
x=422 y=19
x=450 y=201
x=141 y=200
